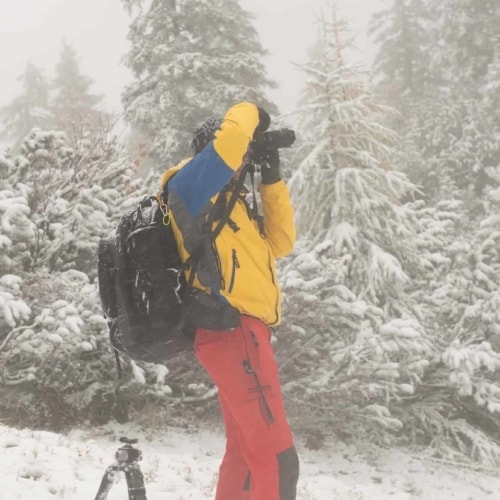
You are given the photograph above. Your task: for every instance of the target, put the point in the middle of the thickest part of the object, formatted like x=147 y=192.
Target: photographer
x=230 y=252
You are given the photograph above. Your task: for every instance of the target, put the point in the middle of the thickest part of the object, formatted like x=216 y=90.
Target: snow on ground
x=180 y=465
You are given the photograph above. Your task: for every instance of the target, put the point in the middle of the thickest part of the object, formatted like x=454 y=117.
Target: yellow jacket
x=239 y=266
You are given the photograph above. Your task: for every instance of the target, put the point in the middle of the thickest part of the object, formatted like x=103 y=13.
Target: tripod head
x=127 y=454
x=127 y=440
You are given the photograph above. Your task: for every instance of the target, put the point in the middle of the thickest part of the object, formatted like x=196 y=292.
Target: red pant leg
x=234 y=472
x=242 y=365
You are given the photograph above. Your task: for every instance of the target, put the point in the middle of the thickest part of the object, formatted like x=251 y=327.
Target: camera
x=267 y=142
x=276 y=139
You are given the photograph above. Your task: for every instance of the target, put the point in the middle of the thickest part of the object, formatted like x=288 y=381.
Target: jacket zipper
x=218 y=264
x=236 y=265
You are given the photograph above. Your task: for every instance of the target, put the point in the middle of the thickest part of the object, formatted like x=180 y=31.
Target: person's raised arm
x=209 y=171
x=278 y=212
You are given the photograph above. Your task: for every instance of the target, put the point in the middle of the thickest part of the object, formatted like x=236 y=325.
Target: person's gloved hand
x=258 y=145
x=264 y=120
x=269 y=160
x=270 y=167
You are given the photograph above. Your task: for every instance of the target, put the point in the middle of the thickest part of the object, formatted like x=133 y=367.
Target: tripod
x=127 y=458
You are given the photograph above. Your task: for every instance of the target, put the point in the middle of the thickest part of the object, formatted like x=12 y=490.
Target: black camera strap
x=255 y=207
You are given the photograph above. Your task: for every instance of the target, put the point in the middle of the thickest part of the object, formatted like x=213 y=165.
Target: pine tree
x=30 y=109
x=74 y=106
x=454 y=143
x=347 y=184
x=191 y=59
x=404 y=56
x=469 y=30
x=449 y=137
x=490 y=91
x=359 y=345
x=451 y=150
x=429 y=49
x=490 y=98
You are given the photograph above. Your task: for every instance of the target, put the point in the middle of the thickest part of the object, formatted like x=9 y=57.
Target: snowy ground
x=181 y=465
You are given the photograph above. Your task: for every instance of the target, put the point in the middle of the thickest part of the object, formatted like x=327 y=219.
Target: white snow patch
x=182 y=465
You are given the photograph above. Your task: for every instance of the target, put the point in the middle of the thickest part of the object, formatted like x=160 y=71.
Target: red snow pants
x=260 y=462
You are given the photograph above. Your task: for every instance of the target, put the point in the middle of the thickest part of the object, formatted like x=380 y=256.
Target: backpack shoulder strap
x=229 y=207
x=196 y=255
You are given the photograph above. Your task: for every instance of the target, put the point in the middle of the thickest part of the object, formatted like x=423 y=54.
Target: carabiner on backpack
x=164 y=210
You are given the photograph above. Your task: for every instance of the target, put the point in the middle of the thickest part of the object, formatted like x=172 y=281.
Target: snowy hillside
x=181 y=465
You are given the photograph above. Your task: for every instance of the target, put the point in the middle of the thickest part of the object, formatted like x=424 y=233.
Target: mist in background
x=392 y=330
x=32 y=30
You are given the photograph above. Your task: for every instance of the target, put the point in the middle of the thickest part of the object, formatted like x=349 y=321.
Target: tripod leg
x=135 y=483
x=106 y=483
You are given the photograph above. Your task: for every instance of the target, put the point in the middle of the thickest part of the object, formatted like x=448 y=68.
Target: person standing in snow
x=237 y=296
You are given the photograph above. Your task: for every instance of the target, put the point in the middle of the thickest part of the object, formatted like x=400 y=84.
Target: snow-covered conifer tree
x=458 y=404
x=490 y=96
x=451 y=150
x=473 y=356
x=29 y=109
x=191 y=59
x=356 y=339
x=448 y=133
x=74 y=106
x=454 y=143
x=347 y=188
x=469 y=34
x=491 y=88
x=403 y=60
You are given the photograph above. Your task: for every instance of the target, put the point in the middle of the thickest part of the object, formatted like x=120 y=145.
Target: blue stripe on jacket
x=200 y=179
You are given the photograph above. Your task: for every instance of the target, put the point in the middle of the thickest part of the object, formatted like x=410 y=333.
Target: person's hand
x=269 y=160
x=270 y=167
x=258 y=146
x=264 y=120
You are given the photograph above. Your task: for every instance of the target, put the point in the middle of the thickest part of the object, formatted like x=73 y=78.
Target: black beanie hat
x=205 y=133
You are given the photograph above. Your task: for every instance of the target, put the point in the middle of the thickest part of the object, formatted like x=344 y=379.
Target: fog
x=32 y=30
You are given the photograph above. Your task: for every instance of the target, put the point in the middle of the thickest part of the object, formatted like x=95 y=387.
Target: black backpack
x=151 y=311
x=142 y=285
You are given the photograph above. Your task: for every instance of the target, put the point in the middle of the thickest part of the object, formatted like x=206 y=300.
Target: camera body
x=277 y=139
x=268 y=142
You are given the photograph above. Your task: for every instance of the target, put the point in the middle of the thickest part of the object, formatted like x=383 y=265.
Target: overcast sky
x=32 y=30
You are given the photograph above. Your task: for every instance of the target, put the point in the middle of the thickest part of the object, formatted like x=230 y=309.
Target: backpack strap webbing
x=212 y=217
x=229 y=207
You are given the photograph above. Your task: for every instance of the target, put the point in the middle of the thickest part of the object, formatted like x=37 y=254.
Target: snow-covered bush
x=342 y=355
x=55 y=204
x=455 y=411
x=17 y=231
x=13 y=309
